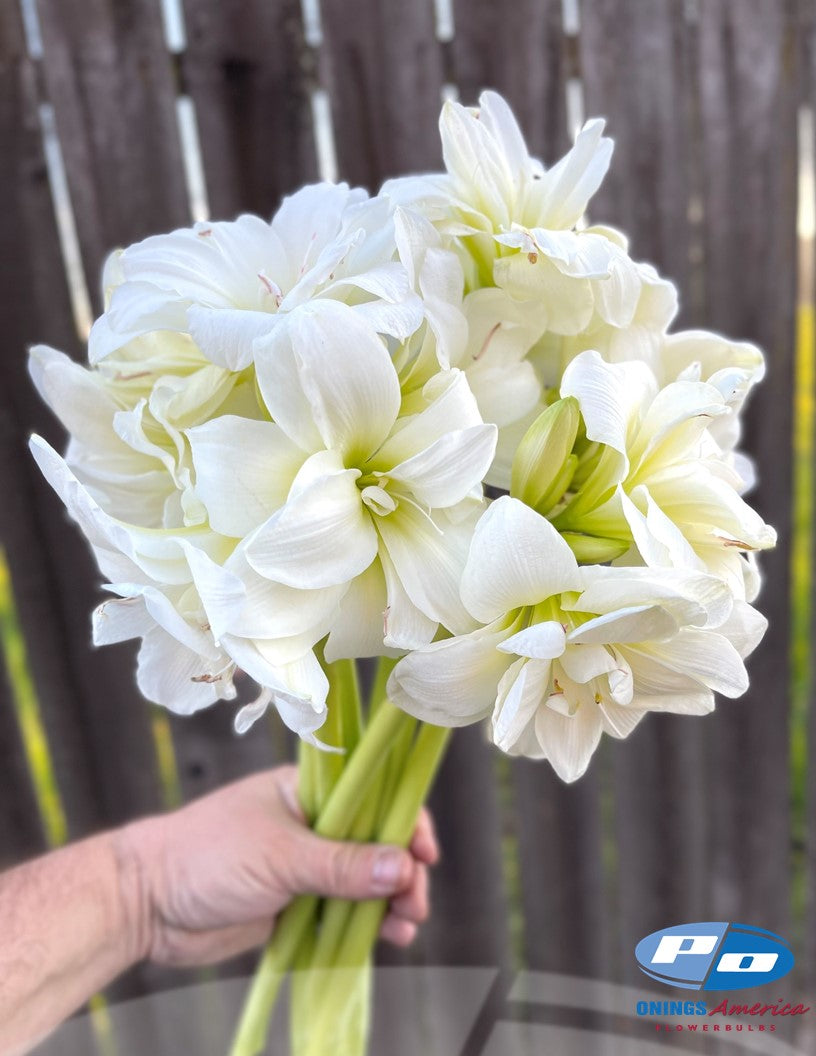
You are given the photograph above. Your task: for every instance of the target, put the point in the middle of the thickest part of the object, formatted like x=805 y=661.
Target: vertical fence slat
x=470 y=924
x=519 y=50
x=647 y=194
x=110 y=80
x=31 y=285
x=247 y=69
x=748 y=100
x=385 y=86
x=555 y=829
x=562 y=871
x=21 y=831
x=33 y=293
x=385 y=83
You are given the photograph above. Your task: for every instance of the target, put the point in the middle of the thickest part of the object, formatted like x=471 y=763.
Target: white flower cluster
x=278 y=455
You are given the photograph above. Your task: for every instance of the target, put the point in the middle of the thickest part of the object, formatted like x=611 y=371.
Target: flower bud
x=592 y=550
x=544 y=464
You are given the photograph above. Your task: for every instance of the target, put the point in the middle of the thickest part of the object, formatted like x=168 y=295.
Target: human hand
x=205 y=882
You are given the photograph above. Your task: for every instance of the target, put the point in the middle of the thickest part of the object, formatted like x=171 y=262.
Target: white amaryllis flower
x=567 y=653
x=514 y=222
x=126 y=418
x=349 y=486
x=660 y=479
x=227 y=284
x=176 y=590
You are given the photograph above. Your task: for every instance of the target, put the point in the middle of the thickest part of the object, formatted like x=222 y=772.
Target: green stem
x=397 y=828
x=385 y=665
x=334 y=821
x=394 y=769
x=336 y=911
x=337 y=1028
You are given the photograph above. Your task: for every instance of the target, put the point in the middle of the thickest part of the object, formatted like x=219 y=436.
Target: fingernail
x=387 y=870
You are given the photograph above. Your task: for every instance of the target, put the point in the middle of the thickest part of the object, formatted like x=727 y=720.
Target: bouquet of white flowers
x=279 y=452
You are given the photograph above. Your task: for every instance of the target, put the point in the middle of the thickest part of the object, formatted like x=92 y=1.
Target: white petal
x=273 y=610
x=429 y=556
x=516 y=558
x=358 y=629
x=566 y=302
x=705 y=656
x=571 y=183
x=227 y=336
x=479 y=169
x=323 y=536
x=609 y=394
x=542 y=641
x=575 y=253
x=582 y=663
x=619 y=721
x=403 y=624
x=520 y=694
x=244 y=470
x=453 y=682
x=174 y=676
x=222 y=593
x=120 y=619
x=660 y=542
x=448 y=404
x=569 y=740
x=497 y=117
x=446 y=471
x=690 y=596
x=345 y=373
x=638 y=623
x=299 y=689
x=744 y=628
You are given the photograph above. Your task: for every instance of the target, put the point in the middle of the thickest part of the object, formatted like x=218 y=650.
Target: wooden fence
x=691 y=818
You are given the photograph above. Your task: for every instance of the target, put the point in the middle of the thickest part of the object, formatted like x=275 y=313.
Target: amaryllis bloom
x=660 y=478
x=187 y=660
x=567 y=653
x=350 y=486
x=126 y=417
x=227 y=284
x=514 y=222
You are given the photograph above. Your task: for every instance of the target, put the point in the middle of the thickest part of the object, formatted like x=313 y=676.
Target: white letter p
x=672 y=946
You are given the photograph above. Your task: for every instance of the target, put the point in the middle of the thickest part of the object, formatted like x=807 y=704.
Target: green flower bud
x=593 y=550
x=544 y=464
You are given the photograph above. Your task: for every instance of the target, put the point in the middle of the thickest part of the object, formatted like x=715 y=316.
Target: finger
x=397 y=931
x=424 y=844
x=414 y=904
x=336 y=869
x=287 y=782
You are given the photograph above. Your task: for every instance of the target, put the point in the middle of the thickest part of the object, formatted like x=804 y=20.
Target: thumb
x=332 y=868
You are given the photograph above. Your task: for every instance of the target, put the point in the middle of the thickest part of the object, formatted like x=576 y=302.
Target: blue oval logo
x=714 y=956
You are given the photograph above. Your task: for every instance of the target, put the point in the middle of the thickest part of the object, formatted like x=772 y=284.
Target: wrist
x=134 y=850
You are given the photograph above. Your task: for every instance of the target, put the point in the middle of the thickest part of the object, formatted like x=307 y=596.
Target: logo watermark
x=714 y=955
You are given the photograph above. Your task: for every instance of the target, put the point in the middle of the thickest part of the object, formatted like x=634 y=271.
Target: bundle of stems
x=371 y=790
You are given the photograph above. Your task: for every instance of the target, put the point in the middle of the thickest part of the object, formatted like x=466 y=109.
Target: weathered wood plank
x=248 y=71
x=646 y=194
x=21 y=831
x=563 y=886
x=34 y=302
x=470 y=924
x=748 y=98
x=382 y=66
x=634 y=67
x=519 y=50
x=110 y=80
